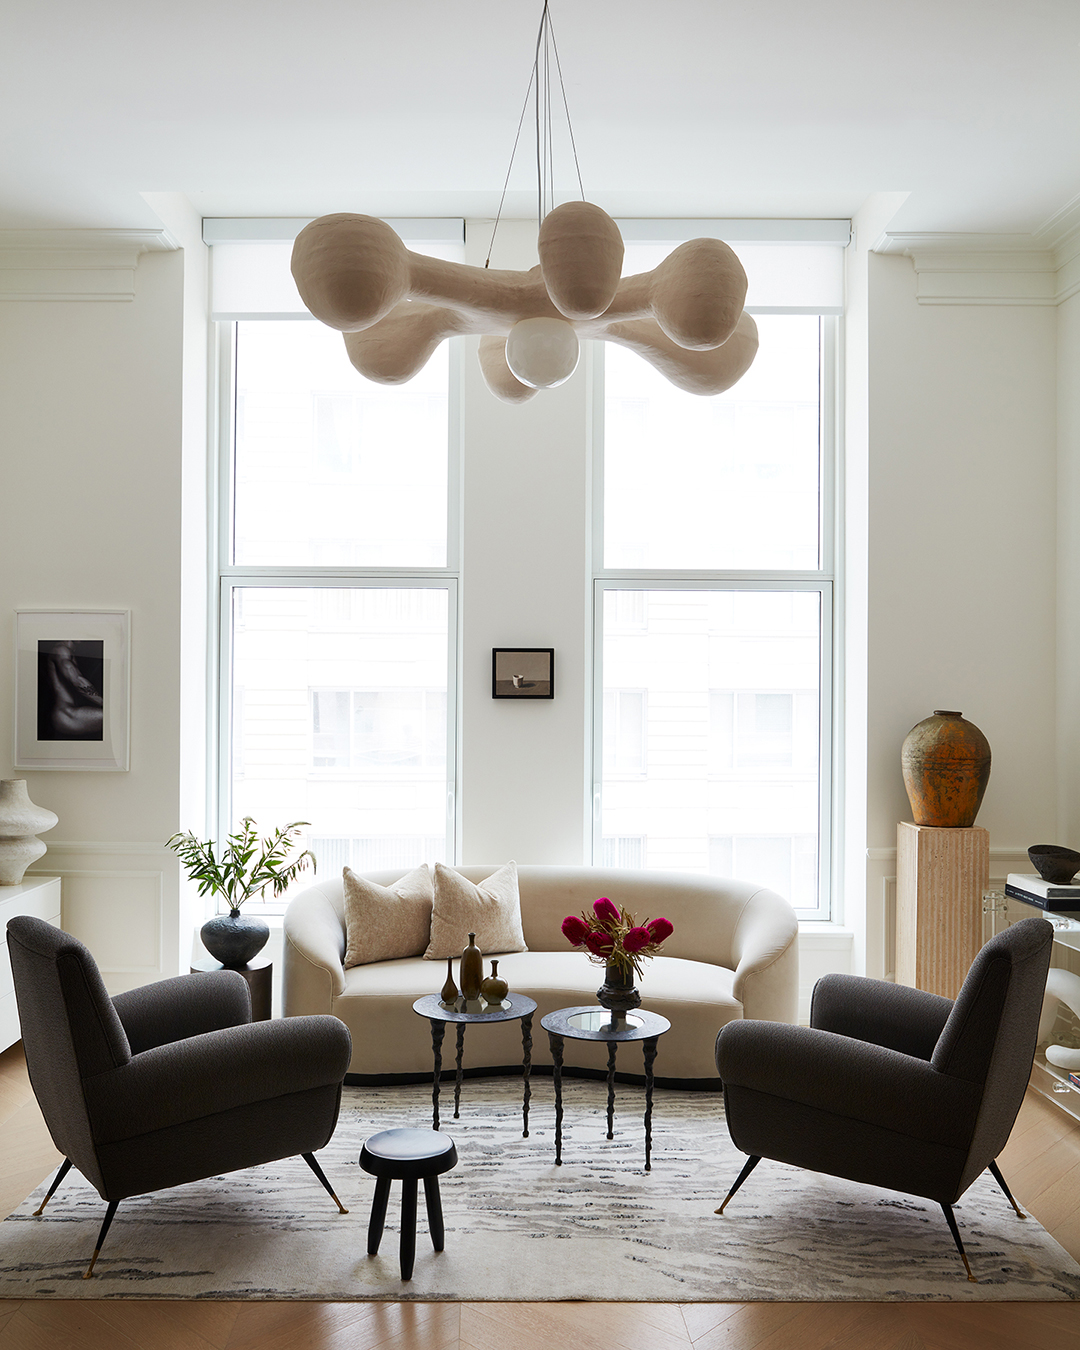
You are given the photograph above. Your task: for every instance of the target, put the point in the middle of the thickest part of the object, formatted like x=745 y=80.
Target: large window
x=714 y=617
x=338 y=603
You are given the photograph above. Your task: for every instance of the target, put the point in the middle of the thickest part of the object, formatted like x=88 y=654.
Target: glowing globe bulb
x=542 y=353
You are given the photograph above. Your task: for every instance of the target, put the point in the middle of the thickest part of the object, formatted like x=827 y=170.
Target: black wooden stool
x=406 y=1156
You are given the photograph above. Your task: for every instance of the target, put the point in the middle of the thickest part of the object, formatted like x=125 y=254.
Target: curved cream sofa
x=733 y=954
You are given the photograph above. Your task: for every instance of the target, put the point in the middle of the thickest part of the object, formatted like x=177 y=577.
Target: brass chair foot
x=337 y=1202
x=726 y=1199
x=93 y=1262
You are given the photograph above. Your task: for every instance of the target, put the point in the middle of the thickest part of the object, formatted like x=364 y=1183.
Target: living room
x=950 y=486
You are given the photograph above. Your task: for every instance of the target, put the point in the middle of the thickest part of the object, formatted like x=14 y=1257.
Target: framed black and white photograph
x=523 y=672
x=71 y=689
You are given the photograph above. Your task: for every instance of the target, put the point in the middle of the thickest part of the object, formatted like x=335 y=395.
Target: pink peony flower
x=660 y=929
x=636 y=939
x=606 y=912
x=600 y=944
x=574 y=930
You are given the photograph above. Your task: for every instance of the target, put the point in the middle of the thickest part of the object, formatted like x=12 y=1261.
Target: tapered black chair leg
x=378 y=1214
x=748 y=1167
x=64 y=1169
x=951 y=1220
x=996 y=1172
x=101 y=1238
x=408 y=1227
x=433 y=1198
x=309 y=1158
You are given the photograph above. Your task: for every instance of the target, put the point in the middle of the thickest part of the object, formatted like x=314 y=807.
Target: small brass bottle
x=449 y=989
x=471 y=970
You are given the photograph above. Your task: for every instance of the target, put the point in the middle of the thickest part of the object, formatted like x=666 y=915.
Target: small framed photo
x=71 y=689
x=523 y=672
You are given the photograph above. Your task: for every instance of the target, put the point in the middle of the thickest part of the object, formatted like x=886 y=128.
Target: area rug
x=518 y=1228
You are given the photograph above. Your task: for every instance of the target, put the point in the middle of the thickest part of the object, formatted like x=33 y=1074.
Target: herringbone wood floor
x=1042 y=1164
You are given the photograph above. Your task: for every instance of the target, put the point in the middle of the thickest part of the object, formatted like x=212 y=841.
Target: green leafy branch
x=247 y=864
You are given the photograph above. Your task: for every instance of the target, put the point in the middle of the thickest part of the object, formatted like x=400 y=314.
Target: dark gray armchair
x=169 y=1083
x=892 y=1086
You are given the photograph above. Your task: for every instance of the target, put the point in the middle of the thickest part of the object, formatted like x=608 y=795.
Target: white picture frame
x=72 y=689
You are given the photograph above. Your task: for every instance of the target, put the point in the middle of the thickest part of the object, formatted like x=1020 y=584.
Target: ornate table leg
x=556 y=1042
x=457 y=1080
x=526 y=1069
x=438 y=1031
x=649 y=1047
x=612 y=1047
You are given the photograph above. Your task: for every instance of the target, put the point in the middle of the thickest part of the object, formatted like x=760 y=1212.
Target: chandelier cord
x=545 y=151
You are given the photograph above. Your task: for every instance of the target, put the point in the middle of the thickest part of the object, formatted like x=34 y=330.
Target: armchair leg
x=63 y=1170
x=748 y=1167
x=101 y=1238
x=309 y=1158
x=951 y=1221
x=996 y=1172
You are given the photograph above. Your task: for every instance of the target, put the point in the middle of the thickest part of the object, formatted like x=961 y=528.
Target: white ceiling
x=408 y=107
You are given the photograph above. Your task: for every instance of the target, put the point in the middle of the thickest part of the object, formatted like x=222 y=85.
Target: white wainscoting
x=122 y=900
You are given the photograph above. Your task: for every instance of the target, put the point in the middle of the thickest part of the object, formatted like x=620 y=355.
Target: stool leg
x=433 y=1199
x=378 y=1214
x=408 y=1227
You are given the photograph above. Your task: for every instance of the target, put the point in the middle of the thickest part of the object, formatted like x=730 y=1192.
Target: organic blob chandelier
x=685 y=317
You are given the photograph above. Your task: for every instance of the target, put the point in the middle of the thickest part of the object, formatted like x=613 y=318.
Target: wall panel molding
x=93 y=265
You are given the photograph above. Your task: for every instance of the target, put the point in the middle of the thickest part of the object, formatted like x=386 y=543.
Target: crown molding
x=75 y=264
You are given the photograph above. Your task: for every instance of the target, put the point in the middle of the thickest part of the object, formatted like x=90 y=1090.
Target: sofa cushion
x=383 y=923
x=490 y=909
x=696 y=998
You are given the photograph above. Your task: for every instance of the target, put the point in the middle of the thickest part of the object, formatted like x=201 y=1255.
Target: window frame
x=229 y=576
x=822 y=580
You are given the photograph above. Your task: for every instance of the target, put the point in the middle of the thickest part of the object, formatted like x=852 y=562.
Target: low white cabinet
x=39 y=896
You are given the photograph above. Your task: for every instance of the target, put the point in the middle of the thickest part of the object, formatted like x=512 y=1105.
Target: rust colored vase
x=946 y=763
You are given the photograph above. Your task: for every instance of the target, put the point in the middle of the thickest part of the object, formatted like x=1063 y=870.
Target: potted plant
x=613 y=939
x=246 y=867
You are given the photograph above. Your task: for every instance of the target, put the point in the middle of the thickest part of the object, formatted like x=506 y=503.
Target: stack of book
x=1031 y=888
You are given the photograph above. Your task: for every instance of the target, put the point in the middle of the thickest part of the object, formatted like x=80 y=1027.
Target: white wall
x=91 y=398
x=1068 y=563
x=962 y=557
x=525 y=582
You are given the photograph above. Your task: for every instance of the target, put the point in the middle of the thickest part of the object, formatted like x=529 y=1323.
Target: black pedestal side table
x=259 y=973
x=591 y=1023
x=515 y=1007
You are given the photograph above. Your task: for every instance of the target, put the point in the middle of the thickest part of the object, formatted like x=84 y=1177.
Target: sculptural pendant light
x=685 y=317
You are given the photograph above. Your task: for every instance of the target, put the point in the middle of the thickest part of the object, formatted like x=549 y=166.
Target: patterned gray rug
x=520 y=1229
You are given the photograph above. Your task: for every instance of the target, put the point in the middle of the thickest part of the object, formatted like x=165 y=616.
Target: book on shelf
x=1030 y=887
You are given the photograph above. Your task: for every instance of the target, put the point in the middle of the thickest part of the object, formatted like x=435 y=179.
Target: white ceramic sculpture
x=395 y=307
x=1062 y=986
x=20 y=822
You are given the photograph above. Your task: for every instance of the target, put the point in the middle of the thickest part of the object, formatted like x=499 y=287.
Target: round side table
x=259 y=973
x=592 y=1023
x=516 y=1006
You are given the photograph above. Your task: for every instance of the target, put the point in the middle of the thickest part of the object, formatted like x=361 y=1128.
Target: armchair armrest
x=214 y=1072
x=187 y=1005
x=314 y=951
x=891 y=1015
x=765 y=948
x=850 y=1079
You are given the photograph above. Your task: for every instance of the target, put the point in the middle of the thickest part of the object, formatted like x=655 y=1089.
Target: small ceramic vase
x=617 y=994
x=494 y=988
x=471 y=971
x=234 y=938
x=448 y=993
x=20 y=821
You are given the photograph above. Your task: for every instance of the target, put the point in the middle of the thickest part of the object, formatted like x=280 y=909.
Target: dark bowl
x=1054 y=864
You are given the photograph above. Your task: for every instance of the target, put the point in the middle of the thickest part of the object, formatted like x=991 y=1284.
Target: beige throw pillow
x=491 y=910
x=383 y=923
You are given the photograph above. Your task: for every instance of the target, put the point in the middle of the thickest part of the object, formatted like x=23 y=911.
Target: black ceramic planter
x=233 y=939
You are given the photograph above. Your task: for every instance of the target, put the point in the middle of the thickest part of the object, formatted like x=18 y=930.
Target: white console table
x=39 y=896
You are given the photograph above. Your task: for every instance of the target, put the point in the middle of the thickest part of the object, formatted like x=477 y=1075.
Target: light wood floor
x=1041 y=1163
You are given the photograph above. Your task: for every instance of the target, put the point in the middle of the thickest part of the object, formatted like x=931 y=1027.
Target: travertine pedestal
x=940 y=878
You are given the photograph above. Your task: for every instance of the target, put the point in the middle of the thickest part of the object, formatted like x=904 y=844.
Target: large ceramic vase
x=20 y=822
x=946 y=764
x=234 y=938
